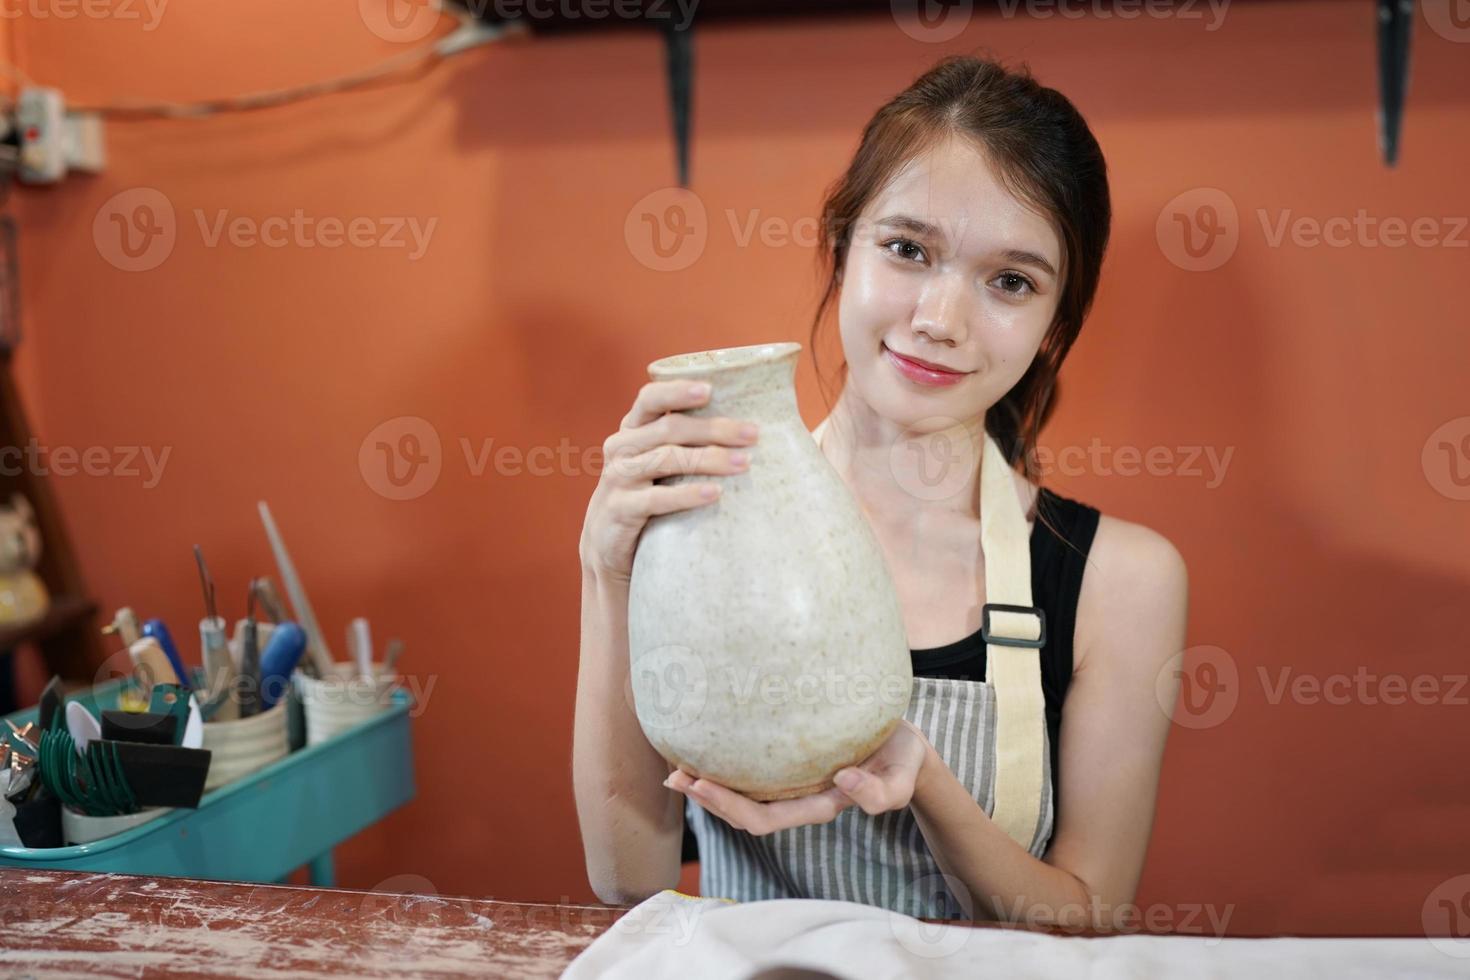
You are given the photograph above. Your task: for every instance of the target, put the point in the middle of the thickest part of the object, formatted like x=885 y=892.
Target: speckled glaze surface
x=766 y=639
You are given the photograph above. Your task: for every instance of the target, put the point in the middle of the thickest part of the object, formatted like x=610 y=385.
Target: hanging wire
x=404 y=66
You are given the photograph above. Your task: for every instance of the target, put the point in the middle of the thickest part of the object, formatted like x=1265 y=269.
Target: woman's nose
x=942 y=311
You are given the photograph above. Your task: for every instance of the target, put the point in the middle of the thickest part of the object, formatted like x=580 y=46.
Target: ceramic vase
x=766 y=639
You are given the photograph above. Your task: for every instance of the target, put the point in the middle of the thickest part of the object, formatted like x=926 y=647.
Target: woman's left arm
x=1130 y=622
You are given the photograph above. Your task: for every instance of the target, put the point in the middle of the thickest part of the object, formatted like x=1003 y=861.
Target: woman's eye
x=1015 y=283
x=905 y=249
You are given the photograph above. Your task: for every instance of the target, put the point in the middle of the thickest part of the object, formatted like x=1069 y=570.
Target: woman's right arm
x=632 y=826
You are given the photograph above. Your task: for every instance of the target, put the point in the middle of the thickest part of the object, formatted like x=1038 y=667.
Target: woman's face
x=946 y=266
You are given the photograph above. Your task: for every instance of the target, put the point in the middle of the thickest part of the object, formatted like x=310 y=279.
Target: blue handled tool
x=157 y=629
x=279 y=659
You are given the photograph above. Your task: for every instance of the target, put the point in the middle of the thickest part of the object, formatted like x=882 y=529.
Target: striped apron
x=991 y=734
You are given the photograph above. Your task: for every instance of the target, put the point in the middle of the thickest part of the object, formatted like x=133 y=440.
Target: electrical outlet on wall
x=52 y=141
x=40 y=123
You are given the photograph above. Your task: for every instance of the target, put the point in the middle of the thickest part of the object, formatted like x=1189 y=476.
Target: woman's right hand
x=657 y=439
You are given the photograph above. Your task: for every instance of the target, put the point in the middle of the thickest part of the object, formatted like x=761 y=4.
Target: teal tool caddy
x=265 y=825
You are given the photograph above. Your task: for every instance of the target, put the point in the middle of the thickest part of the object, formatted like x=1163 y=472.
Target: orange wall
x=1326 y=548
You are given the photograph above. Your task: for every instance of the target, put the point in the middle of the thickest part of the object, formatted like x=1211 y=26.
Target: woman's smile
x=922 y=372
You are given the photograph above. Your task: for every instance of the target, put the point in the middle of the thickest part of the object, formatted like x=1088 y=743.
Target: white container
x=78 y=828
x=342 y=700
x=240 y=746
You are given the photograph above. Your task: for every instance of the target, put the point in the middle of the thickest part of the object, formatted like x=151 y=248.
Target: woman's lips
x=920 y=373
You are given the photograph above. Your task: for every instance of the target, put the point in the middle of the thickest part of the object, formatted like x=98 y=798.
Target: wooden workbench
x=59 y=923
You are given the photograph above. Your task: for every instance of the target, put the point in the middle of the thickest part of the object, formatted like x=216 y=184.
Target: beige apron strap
x=1012 y=651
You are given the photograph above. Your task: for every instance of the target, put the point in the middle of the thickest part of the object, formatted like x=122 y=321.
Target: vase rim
x=705 y=362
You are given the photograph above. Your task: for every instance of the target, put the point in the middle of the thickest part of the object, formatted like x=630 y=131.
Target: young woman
x=963 y=248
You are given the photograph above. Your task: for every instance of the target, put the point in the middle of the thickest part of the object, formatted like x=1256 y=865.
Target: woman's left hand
x=883 y=781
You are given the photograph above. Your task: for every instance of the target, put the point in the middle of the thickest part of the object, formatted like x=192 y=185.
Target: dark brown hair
x=1045 y=155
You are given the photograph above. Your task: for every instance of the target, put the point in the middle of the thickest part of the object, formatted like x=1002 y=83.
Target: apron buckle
x=1012 y=641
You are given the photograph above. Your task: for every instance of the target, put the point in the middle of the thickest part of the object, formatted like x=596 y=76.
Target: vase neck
x=762 y=393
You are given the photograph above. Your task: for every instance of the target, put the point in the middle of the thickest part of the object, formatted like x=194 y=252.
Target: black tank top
x=1056 y=582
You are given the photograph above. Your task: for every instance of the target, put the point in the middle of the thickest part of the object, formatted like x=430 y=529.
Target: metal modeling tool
x=219 y=666
x=250 y=660
x=317 y=648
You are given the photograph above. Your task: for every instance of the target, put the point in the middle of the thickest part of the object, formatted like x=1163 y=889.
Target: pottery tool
x=194 y=727
x=219 y=667
x=206 y=583
x=154 y=727
x=279 y=659
x=9 y=834
x=160 y=775
x=270 y=601
x=82 y=725
x=219 y=671
x=25 y=734
x=250 y=660
x=125 y=625
x=157 y=629
x=237 y=638
x=174 y=701
x=317 y=649
x=49 y=706
x=360 y=642
x=390 y=658
x=151 y=664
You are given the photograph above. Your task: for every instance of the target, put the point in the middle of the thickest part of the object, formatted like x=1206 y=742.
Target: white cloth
x=677 y=935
